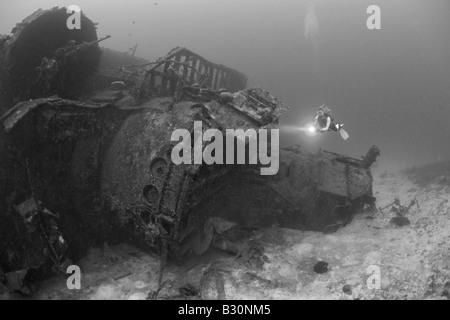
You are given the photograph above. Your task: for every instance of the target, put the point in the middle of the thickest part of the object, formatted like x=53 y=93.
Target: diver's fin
x=344 y=134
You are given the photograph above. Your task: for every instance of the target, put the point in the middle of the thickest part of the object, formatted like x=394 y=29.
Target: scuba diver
x=324 y=122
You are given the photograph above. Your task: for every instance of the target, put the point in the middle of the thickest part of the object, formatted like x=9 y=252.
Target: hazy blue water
x=391 y=87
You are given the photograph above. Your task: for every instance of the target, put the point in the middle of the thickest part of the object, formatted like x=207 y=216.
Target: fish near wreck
x=103 y=168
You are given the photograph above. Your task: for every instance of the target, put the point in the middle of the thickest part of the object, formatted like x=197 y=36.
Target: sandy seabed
x=414 y=260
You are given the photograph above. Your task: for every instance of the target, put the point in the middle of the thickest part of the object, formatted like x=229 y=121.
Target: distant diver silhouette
x=311 y=32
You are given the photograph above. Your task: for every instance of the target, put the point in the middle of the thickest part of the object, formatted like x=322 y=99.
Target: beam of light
x=309 y=129
x=312 y=129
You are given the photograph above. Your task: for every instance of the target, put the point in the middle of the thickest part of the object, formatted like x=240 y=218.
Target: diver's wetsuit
x=322 y=121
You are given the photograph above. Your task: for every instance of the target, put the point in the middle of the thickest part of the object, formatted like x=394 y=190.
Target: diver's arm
x=316 y=123
x=328 y=124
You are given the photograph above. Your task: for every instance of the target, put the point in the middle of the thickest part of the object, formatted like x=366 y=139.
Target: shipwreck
x=82 y=164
